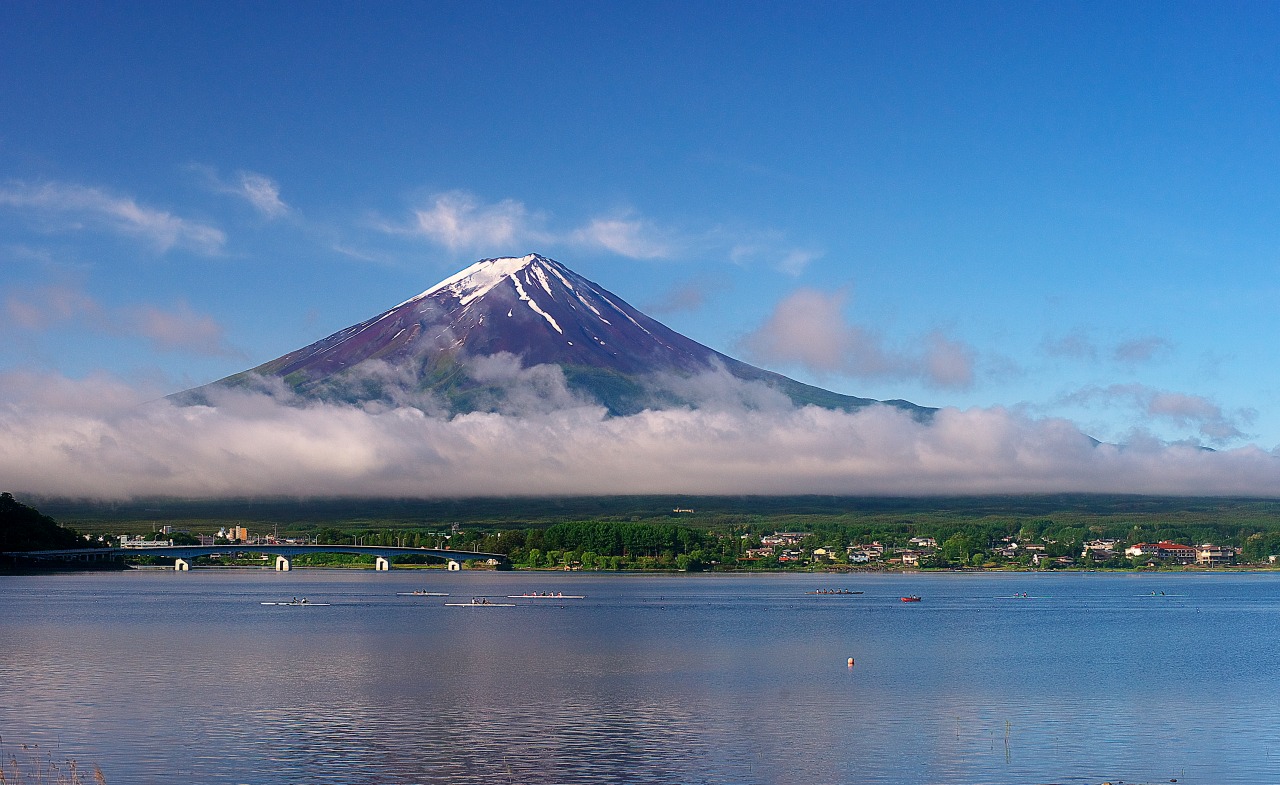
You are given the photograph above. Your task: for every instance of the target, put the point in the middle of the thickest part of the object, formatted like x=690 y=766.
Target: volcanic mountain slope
x=468 y=342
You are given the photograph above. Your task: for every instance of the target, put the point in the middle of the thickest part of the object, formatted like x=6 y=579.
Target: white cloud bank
x=96 y=438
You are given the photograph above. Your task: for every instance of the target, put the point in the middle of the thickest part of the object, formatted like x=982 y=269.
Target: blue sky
x=1060 y=209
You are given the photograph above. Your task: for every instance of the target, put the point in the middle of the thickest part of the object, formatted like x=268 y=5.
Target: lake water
x=162 y=677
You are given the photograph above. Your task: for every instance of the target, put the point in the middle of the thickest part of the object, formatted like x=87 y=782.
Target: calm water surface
x=186 y=677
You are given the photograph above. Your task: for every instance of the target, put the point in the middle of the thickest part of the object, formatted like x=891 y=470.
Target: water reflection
x=650 y=679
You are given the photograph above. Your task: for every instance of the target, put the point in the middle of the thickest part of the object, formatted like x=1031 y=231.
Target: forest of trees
x=667 y=544
x=638 y=533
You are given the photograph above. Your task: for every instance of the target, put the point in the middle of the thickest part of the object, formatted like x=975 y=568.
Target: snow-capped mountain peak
x=479 y=278
x=530 y=308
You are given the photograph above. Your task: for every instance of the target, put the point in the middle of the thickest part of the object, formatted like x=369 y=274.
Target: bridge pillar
x=381 y=565
x=454 y=565
x=282 y=564
x=181 y=565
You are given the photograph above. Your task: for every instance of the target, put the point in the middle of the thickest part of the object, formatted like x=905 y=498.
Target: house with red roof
x=1183 y=554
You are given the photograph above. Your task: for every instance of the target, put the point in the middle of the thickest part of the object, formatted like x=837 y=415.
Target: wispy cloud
x=179 y=329
x=41 y=309
x=1211 y=421
x=1140 y=350
x=947 y=362
x=626 y=236
x=263 y=193
x=176 y=329
x=260 y=191
x=768 y=248
x=796 y=260
x=362 y=255
x=71 y=207
x=461 y=221
x=90 y=438
x=1078 y=345
x=686 y=295
x=1074 y=345
x=808 y=329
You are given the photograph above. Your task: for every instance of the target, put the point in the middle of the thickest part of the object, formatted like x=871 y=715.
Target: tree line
x=965 y=536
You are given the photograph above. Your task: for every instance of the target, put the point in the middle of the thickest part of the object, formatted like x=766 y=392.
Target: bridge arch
x=184 y=554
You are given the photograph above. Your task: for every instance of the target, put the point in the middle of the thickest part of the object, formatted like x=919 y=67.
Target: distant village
x=801 y=550
x=233 y=535
x=925 y=552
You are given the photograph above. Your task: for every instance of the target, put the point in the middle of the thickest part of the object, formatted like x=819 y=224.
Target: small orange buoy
x=850 y=662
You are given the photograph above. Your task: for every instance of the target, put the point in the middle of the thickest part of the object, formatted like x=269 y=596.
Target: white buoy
x=850 y=662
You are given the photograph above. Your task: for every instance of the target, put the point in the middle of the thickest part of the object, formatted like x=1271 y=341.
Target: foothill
x=832 y=535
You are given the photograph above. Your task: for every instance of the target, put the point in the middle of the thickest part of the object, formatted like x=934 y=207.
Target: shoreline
x=31 y=568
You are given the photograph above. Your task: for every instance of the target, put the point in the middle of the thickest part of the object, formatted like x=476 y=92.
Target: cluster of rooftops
x=782 y=545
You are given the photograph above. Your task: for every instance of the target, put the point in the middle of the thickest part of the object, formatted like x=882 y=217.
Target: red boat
x=912 y=598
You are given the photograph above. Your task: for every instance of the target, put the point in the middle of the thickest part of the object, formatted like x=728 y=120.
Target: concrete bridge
x=184 y=554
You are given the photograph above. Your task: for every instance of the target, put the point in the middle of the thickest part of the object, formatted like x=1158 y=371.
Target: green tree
x=1257 y=547
x=331 y=536
x=688 y=563
x=957 y=548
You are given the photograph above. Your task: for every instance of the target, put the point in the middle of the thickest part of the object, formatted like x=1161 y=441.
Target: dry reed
x=29 y=765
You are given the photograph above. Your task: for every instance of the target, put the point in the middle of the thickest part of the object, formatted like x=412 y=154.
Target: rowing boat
x=298 y=604
x=475 y=604
x=546 y=596
x=422 y=593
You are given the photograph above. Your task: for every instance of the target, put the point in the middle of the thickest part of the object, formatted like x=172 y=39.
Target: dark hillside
x=1077 y=509
x=23 y=528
